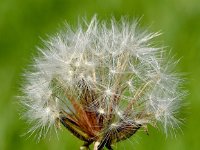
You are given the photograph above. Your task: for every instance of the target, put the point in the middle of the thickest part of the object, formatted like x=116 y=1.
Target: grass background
x=22 y=22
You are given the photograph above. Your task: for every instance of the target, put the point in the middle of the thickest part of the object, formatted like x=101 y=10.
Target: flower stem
x=96 y=144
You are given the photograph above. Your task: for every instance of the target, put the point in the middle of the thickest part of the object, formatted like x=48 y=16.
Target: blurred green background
x=23 y=22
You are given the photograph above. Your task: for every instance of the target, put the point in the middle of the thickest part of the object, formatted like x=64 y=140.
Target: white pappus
x=103 y=81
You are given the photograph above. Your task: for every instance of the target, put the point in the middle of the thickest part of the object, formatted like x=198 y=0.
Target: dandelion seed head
x=102 y=75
